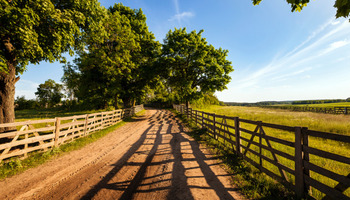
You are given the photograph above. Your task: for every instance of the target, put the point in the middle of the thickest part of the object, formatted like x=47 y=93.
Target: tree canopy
x=34 y=31
x=342 y=6
x=49 y=93
x=118 y=64
x=194 y=67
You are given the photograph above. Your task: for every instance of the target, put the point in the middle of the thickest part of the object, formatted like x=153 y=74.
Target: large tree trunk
x=127 y=102
x=8 y=80
x=7 y=97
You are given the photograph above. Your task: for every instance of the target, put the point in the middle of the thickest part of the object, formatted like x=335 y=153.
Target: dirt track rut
x=149 y=158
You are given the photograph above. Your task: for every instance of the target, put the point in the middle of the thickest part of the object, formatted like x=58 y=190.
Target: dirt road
x=149 y=158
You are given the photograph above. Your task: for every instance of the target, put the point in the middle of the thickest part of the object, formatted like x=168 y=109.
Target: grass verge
x=252 y=183
x=16 y=166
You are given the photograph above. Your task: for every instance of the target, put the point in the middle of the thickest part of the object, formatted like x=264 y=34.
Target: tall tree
x=33 y=31
x=194 y=67
x=121 y=64
x=143 y=74
x=342 y=6
x=107 y=59
x=49 y=93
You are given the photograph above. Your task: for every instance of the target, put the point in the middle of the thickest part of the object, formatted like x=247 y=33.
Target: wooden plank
x=327 y=155
x=276 y=151
x=330 y=136
x=331 y=192
x=271 y=174
x=251 y=139
x=73 y=117
x=274 y=162
x=25 y=141
x=284 y=142
x=225 y=131
x=273 y=155
x=27 y=123
x=18 y=133
x=277 y=126
x=70 y=124
x=66 y=132
x=248 y=121
x=23 y=151
x=35 y=134
x=337 y=177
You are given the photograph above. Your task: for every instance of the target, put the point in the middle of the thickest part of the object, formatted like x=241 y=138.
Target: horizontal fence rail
x=44 y=134
x=334 y=110
x=293 y=158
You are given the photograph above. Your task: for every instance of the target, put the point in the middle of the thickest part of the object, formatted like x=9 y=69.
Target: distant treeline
x=262 y=103
x=269 y=103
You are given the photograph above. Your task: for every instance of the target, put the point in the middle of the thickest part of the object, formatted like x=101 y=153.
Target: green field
x=324 y=105
x=339 y=124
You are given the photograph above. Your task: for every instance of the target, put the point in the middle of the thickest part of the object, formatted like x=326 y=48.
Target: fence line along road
x=44 y=134
x=292 y=160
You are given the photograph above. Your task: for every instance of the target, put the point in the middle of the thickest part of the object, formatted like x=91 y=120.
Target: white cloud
x=26 y=88
x=326 y=39
x=181 y=16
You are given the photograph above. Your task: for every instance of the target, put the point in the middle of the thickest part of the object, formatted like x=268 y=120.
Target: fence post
x=306 y=157
x=187 y=112
x=299 y=168
x=196 y=116
x=260 y=142
x=202 y=119
x=191 y=114
x=214 y=126
x=237 y=133
x=57 y=131
x=86 y=123
x=101 y=127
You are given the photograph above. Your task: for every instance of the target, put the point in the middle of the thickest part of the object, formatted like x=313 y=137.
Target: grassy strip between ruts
x=252 y=183
x=16 y=166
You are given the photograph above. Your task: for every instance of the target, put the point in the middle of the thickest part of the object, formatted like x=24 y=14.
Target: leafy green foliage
x=40 y=30
x=43 y=29
x=206 y=100
x=49 y=93
x=343 y=6
x=194 y=67
x=22 y=103
x=118 y=63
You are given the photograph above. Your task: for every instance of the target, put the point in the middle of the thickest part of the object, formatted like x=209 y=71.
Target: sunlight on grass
x=338 y=124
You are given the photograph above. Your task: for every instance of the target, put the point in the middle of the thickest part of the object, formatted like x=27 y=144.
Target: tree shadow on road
x=178 y=187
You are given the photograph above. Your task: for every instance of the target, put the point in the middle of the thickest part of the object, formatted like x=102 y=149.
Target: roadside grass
x=16 y=166
x=252 y=183
x=316 y=121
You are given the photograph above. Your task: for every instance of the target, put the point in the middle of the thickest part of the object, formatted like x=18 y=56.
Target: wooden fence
x=293 y=158
x=334 y=110
x=48 y=133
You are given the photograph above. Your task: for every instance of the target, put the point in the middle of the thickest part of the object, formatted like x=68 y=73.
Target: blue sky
x=276 y=54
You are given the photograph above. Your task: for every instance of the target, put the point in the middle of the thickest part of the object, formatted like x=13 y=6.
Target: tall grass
x=321 y=122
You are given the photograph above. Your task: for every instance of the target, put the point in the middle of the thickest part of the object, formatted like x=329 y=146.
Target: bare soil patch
x=149 y=158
